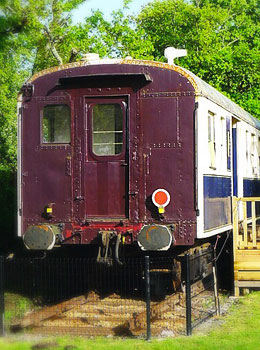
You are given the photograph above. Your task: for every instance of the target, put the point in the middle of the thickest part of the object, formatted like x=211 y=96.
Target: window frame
x=211 y=118
x=91 y=105
x=229 y=140
x=253 y=153
x=53 y=144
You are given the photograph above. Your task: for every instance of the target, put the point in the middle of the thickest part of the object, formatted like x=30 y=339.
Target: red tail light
x=161 y=198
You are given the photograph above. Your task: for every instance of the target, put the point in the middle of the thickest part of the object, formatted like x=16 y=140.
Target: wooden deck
x=246 y=244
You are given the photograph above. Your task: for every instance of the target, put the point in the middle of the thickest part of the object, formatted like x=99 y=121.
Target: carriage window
x=253 y=153
x=107 y=137
x=228 y=142
x=212 y=139
x=56 y=124
x=247 y=147
x=223 y=140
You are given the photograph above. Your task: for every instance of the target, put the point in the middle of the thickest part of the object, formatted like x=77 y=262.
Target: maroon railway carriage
x=96 y=140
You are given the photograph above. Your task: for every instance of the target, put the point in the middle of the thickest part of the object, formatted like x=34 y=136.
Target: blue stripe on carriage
x=217 y=187
x=251 y=188
x=217 y=201
x=234 y=136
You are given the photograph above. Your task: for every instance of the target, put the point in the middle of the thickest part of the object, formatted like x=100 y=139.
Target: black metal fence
x=149 y=296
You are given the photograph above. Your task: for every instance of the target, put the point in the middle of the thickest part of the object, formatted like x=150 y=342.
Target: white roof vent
x=171 y=53
x=90 y=57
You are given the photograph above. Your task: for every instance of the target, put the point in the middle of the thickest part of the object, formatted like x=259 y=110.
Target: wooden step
x=247 y=275
x=247 y=265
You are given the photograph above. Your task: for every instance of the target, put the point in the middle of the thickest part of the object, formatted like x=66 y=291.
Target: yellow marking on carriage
x=117 y=61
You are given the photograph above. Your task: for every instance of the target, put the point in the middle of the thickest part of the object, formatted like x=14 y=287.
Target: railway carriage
x=123 y=151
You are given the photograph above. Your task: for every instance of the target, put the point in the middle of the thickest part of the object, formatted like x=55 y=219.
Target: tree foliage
x=119 y=37
x=30 y=34
x=222 y=38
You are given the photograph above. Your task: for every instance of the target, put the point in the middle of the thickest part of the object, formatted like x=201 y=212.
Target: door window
x=107 y=129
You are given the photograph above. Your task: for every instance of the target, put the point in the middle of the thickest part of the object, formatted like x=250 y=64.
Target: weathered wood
x=253 y=224
x=138 y=321
x=245 y=238
x=157 y=310
x=35 y=317
x=250 y=284
x=248 y=255
x=247 y=265
x=247 y=275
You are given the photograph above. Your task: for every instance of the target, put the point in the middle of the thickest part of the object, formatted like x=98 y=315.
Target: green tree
x=119 y=37
x=31 y=38
x=222 y=38
x=27 y=30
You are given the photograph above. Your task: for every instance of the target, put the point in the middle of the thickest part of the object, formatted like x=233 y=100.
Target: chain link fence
x=144 y=297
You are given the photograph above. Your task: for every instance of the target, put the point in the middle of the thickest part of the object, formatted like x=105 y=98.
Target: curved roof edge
x=201 y=87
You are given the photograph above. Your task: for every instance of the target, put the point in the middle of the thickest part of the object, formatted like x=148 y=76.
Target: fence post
x=188 y=296
x=2 y=300
x=214 y=268
x=148 y=297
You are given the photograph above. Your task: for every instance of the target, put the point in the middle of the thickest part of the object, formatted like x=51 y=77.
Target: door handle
x=79 y=198
x=124 y=164
x=133 y=194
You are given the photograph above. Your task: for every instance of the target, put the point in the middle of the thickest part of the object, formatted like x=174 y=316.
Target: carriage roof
x=201 y=87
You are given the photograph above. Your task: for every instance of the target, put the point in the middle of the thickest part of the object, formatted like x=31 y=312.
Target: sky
x=106 y=6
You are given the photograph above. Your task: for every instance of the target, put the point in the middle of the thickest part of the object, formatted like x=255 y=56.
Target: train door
x=106 y=167
x=234 y=154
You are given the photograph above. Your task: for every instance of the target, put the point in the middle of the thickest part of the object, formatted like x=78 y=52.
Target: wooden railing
x=246 y=243
x=246 y=232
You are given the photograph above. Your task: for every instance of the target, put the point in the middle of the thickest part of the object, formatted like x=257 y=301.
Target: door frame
x=123 y=157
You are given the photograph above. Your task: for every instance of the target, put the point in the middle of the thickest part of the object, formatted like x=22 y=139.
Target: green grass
x=16 y=306
x=240 y=331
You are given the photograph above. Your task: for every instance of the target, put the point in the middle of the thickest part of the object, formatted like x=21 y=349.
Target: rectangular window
x=107 y=129
x=228 y=143
x=223 y=140
x=253 y=153
x=212 y=139
x=56 y=124
x=247 y=148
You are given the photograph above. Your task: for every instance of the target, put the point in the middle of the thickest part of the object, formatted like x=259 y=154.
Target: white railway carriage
x=228 y=158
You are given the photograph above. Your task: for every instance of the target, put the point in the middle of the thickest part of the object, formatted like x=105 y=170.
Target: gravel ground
x=225 y=304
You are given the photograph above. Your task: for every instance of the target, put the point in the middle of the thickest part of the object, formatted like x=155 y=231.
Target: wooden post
x=253 y=224
x=245 y=224
x=235 y=224
x=235 y=237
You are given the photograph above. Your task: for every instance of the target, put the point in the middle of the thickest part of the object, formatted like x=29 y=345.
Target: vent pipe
x=171 y=53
